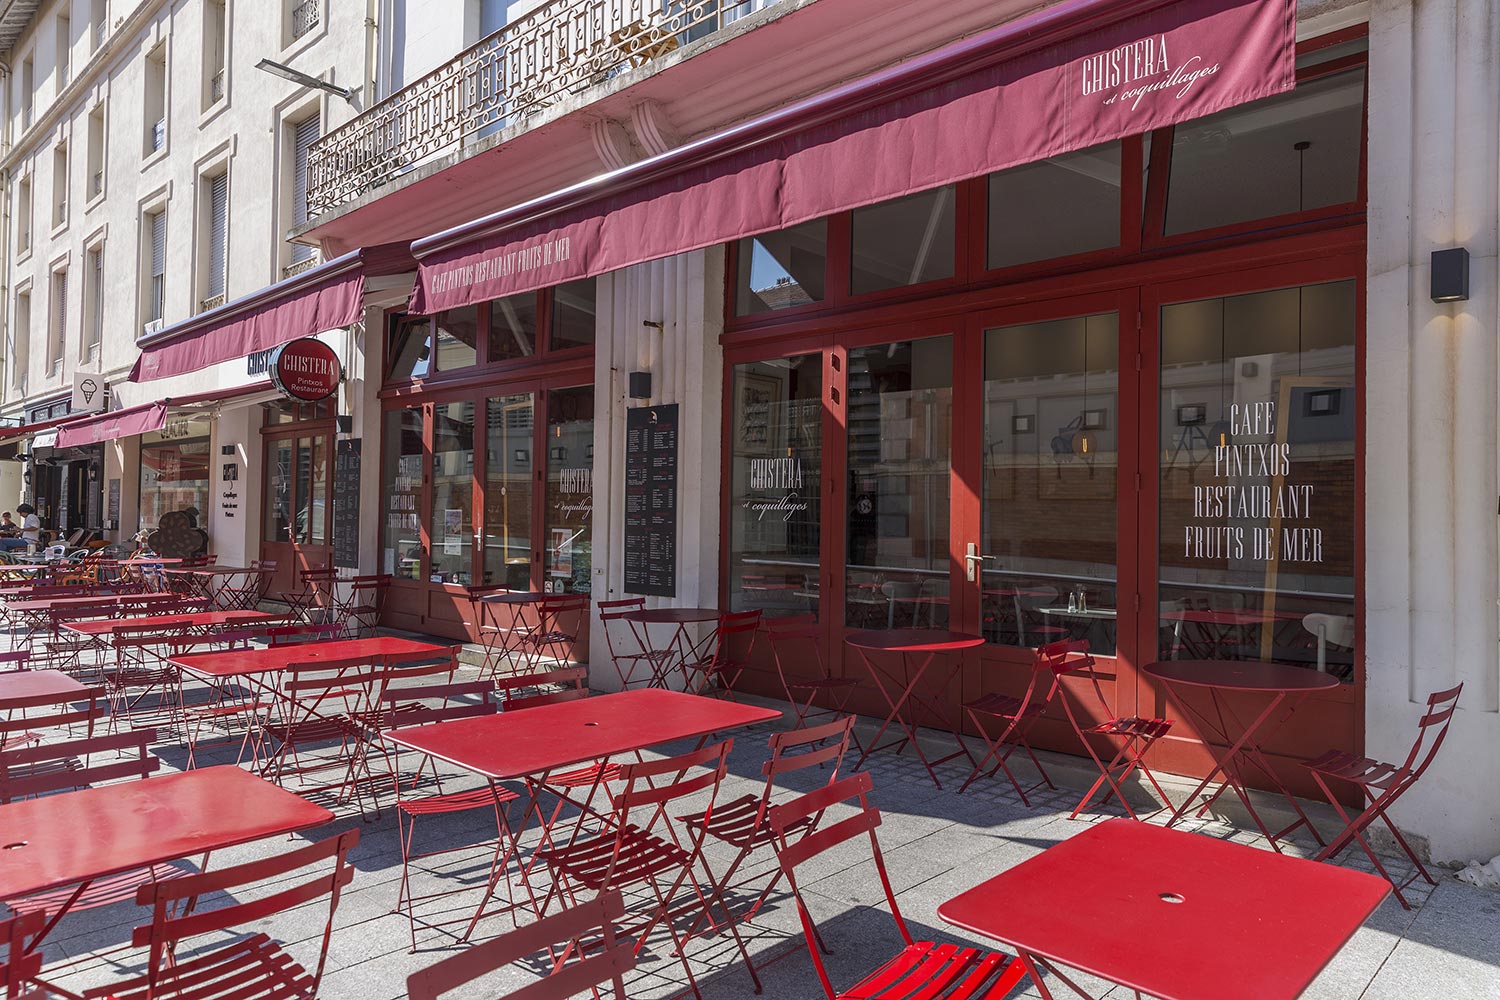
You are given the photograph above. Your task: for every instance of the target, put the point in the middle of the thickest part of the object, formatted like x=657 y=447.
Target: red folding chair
x=462 y=700
x=317 y=728
x=296 y=635
x=624 y=855
x=360 y=611
x=1017 y=715
x=13 y=660
x=627 y=653
x=18 y=729
x=922 y=969
x=568 y=931
x=734 y=645
x=1135 y=736
x=253 y=965
x=21 y=963
x=744 y=823
x=560 y=619
x=1381 y=784
x=314 y=595
x=797 y=643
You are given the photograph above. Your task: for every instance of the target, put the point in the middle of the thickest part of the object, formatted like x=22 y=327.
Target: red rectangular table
x=76 y=837
x=1177 y=916
x=33 y=688
x=41 y=605
x=225 y=663
x=195 y=619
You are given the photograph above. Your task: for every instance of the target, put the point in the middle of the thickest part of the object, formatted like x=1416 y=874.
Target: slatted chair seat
x=275 y=975
x=452 y=802
x=1352 y=768
x=595 y=862
x=105 y=891
x=739 y=823
x=584 y=777
x=1147 y=729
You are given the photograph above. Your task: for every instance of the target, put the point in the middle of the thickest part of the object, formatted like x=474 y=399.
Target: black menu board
x=651 y=500
x=346 y=462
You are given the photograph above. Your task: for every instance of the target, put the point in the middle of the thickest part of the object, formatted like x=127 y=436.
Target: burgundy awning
x=325 y=297
x=1074 y=75
x=145 y=417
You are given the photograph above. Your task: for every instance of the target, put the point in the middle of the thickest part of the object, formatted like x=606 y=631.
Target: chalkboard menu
x=346 y=462
x=651 y=500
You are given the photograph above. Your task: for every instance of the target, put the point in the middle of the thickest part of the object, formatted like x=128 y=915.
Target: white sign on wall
x=88 y=393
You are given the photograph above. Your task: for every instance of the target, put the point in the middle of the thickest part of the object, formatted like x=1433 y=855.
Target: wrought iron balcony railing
x=561 y=48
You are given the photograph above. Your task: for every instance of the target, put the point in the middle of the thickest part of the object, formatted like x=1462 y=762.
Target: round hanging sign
x=305 y=369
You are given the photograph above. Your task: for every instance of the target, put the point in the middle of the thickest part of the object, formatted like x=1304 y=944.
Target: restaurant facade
x=1110 y=323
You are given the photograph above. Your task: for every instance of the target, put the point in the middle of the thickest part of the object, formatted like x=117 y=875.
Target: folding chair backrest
x=561 y=932
x=165 y=897
x=1431 y=732
x=295 y=635
x=312 y=681
x=1053 y=660
x=370 y=589
x=790 y=749
x=21 y=965
x=564 y=614
x=51 y=767
x=638 y=785
x=14 y=659
x=735 y=636
x=460 y=700
x=612 y=610
x=13 y=723
x=794 y=849
x=572 y=683
x=1073 y=659
x=796 y=639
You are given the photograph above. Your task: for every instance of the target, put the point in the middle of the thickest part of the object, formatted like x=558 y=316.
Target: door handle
x=972 y=558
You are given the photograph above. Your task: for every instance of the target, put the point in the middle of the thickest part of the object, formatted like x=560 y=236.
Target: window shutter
x=96 y=321
x=60 y=289
x=307 y=132
x=218 y=235
x=158 y=244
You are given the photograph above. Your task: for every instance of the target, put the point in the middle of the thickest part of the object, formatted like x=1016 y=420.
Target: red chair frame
x=22 y=964
x=1136 y=737
x=730 y=657
x=610 y=611
x=788 y=634
x=1019 y=715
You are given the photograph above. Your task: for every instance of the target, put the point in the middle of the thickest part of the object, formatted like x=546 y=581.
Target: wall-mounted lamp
x=93 y=472
x=1450 y=275
x=303 y=80
x=640 y=385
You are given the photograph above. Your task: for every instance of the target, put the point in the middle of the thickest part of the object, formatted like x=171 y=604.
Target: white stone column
x=1432 y=532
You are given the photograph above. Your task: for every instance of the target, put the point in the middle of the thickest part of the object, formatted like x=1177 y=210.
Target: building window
x=906 y=241
x=411 y=348
x=302 y=17
x=23 y=216
x=1284 y=155
x=96 y=152
x=57 y=332
x=93 y=305
x=154 y=227
x=574 y=315
x=213 y=235
x=508 y=492
x=99 y=22
x=457 y=338
x=21 y=358
x=215 y=41
x=28 y=91
x=569 y=503
x=174 y=473
x=155 y=138
x=64 y=50
x=782 y=269
x=513 y=325
x=401 y=529
x=1027 y=220
x=303 y=135
x=60 y=185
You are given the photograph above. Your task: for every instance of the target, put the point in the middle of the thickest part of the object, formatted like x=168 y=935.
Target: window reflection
x=401 y=539
x=1055 y=208
x=903 y=242
x=900 y=418
x=411 y=348
x=1051 y=473
x=573 y=314
x=513 y=327
x=570 y=490
x=452 y=526
x=1258 y=486
x=507 y=492
x=782 y=269
x=776 y=482
x=457 y=338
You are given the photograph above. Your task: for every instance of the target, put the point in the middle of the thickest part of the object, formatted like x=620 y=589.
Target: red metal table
x=231 y=588
x=1173 y=915
x=34 y=688
x=925 y=646
x=76 y=837
x=531 y=744
x=503 y=628
x=184 y=622
x=1240 y=745
x=256 y=662
x=682 y=649
x=41 y=605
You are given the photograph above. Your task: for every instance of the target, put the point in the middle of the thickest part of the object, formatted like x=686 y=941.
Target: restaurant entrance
x=1110 y=397
x=296 y=529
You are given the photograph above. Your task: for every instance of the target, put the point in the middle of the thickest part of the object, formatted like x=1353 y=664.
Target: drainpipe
x=5 y=343
x=372 y=53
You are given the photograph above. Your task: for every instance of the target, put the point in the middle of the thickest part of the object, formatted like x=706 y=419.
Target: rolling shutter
x=218 y=234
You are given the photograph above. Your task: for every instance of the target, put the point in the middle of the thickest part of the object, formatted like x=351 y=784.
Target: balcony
x=561 y=49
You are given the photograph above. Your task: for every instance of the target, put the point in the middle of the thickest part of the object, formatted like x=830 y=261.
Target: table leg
x=908 y=725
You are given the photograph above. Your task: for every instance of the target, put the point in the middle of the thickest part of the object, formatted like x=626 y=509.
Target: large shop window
x=457 y=338
x=574 y=314
x=782 y=269
x=570 y=490
x=776 y=476
x=401 y=532
x=1051 y=481
x=452 y=526
x=174 y=476
x=509 y=422
x=1259 y=482
x=907 y=241
x=1025 y=221
x=513 y=325
x=900 y=420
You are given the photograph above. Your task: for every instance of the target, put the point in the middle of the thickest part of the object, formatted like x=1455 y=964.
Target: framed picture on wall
x=757 y=410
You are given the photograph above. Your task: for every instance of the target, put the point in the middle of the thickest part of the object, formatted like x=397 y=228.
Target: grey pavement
x=937 y=843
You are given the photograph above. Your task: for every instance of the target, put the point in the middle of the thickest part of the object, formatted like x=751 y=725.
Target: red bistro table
x=219 y=664
x=924 y=646
x=502 y=626
x=187 y=621
x=42 y=605
x=682 y=649
x=76 y=837
x=34 y=688
x=231 y=588
x=533 y=743
x=1174 y=915
x=1240 y=745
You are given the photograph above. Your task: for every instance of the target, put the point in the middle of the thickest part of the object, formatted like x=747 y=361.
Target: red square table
x=532 y=743
x=230 y=588
x=76 y=837
x=186 y=621
x=34 y=688
x=256 y=662
x=1174 y=915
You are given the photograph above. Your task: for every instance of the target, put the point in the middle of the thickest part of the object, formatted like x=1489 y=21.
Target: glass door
x=510 y=432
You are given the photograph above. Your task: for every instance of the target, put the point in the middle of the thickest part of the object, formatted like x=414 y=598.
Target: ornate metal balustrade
x=562 y=48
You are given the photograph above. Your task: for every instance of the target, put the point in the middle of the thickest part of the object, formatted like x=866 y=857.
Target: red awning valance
x=325 y=297
x=128 y=422
x=1074 y=75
